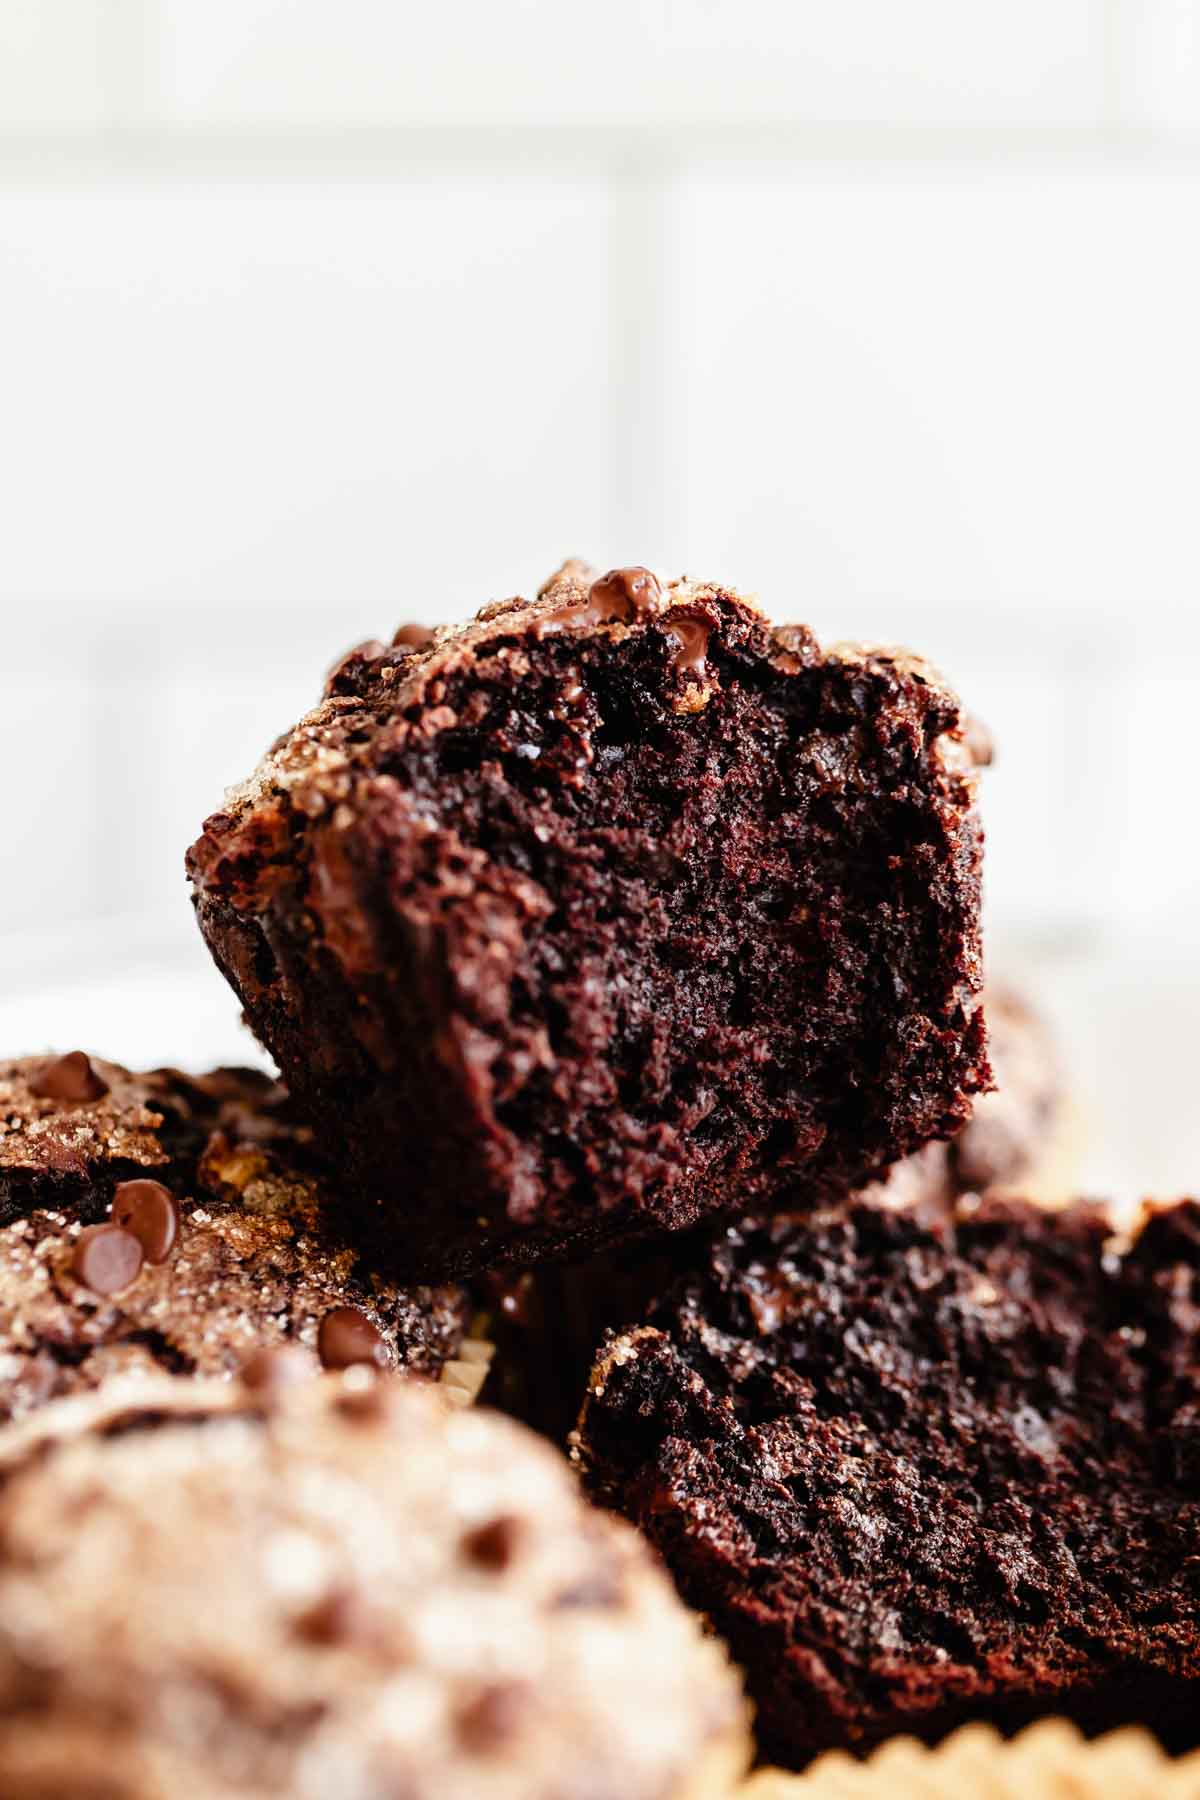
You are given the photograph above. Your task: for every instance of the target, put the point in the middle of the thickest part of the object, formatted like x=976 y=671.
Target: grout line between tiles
x=639 y=345
x=144 y=148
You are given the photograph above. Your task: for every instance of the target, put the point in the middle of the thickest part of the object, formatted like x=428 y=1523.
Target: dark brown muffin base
x=921 y=1473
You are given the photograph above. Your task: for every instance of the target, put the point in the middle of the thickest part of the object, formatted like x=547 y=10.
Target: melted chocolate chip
x=413 y=637
x=151 y=1212
x=493 y=1715
x=71 y=1078
x=346 y=1336
x=276 y=1367
x=494 y=1544
x=626 y=591
x=615 y=599
x=106 y=1258
x=692 y=636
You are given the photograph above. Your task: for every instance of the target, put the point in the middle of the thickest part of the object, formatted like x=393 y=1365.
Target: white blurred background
x=315 y=318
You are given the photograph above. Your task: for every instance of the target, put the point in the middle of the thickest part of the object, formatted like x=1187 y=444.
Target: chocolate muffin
x=920 y=1472
x=338 y=1587
x=608 y=910
x=164 y=1222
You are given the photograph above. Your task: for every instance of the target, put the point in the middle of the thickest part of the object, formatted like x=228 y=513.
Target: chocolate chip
x=275 y=1367
x=616 y=598
x=70 y=1077
x=346 y=674
x=107 y=1258
x=494 y=1544
x=346 y=1336
x=692 y=635
x=493 y=1715
x=151 y=1212
x=624 y=593
x=338 y=1617
x=413 y=637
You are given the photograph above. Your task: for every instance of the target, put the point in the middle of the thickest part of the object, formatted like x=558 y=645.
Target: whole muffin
x=179 y=1224
x=343 y=1587
x=920 y=1472
x=608 y=910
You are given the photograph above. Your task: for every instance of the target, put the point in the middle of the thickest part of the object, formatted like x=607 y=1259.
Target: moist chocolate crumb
x=922 y=1471
x=547 y=1323
x=70 y=1078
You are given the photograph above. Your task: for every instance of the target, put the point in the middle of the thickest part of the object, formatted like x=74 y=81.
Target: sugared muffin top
x=341 y=1586
x=164 y=1222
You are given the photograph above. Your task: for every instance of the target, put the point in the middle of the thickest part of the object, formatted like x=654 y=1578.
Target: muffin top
x=179 y=1224
x=340 y=1585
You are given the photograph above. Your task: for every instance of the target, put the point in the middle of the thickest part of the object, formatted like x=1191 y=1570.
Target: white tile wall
x=1157 y=63
x=272 y=394
x=646 y=62
x=248 y=423
x=57 y=63
x=313 y=318
x=957 y=406
x=940 y=388
x=51 y=725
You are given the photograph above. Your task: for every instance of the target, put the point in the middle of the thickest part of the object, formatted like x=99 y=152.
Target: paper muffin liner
x=463 y=1375
x=1048 y=1761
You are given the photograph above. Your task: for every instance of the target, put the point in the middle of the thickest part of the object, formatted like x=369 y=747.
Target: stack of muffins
x=621 y=957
